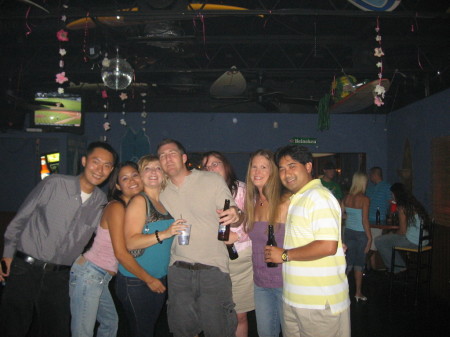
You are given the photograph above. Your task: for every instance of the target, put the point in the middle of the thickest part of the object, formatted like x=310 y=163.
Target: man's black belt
x=47 y=266
x=192 y=266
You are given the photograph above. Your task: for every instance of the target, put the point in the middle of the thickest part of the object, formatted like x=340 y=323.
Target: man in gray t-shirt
x=199 y=283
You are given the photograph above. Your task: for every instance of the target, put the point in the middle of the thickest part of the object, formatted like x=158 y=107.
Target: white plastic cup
x=184 y=236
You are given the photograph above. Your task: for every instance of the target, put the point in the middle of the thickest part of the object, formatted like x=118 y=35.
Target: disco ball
x=118 y=75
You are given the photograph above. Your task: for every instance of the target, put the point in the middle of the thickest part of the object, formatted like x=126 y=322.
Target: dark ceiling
x=284 y=49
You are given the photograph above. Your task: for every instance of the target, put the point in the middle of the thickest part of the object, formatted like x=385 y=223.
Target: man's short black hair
x=94 y=145
x=296 y=152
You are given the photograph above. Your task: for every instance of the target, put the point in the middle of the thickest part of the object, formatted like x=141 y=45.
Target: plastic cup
x=184 y=236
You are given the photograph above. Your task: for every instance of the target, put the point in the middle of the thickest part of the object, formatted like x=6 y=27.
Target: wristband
x=157 y=237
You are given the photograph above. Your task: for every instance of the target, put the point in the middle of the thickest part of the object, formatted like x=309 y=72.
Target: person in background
x=329 y=172
x=265 y=204
x=410 y=213
x=50 y=230
x=379 y=193
x=315 y=287
x=200 y=296
x=357 y=235
x=90 y=299
x=241 y=269
x=149 y=232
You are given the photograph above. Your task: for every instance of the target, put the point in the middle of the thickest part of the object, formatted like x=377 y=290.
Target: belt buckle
x=30 y=260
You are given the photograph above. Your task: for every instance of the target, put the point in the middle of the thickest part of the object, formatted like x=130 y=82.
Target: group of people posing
x=56 y=282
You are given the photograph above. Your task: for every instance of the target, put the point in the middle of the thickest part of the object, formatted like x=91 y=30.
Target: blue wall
x=419 y=123
x=201 y=132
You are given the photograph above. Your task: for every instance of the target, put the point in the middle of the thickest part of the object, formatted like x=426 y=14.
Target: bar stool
x=418 y=260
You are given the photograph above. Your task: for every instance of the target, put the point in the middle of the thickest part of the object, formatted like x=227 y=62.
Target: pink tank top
x=101 y=252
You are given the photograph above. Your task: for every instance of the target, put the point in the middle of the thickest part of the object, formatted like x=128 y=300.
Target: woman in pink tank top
x=90 y=299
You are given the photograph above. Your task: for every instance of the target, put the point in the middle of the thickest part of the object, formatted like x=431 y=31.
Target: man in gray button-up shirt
x=49 y=232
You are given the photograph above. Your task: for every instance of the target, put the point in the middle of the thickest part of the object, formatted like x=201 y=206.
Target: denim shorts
x=356 y=243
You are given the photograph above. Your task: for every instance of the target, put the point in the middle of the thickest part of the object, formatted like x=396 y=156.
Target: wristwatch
x=285 y=256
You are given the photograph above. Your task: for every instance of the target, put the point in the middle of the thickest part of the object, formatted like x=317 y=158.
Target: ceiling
x=288 y=52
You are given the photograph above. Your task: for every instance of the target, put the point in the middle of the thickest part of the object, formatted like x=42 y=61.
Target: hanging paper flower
x=123 y=122
x=105 y=62
x=378 y=52
x=63 y=18
x=61 y=63
x=379 y=64
x=61 y=77
x=378 y=101
x=380 y=90
x=107 y=126
x=123 y=96
x=378 y=38
x=62 y=35
x=143 y=114
x=104 y=94
x=105 y=115
x=62 y=51
x=60 y=90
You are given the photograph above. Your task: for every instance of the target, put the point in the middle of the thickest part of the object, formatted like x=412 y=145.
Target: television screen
x=58 y=112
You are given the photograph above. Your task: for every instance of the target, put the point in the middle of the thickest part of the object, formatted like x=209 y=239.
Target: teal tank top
x=155 y=259
x=354 y=219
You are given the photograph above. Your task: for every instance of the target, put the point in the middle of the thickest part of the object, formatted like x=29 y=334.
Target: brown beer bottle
x=271 y=242
x=224 y=231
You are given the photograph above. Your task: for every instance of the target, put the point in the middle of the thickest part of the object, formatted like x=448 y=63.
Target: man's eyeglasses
x=213 y=165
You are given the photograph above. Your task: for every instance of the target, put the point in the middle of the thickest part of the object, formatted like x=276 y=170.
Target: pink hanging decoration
x=26 y=22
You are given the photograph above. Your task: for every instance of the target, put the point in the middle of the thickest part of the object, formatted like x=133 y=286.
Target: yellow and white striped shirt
x=315 y=214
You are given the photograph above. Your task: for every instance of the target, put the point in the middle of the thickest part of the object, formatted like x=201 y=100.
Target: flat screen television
x=58 y=112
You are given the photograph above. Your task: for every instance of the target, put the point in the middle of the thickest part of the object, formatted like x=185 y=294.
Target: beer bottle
x=377 y=217
x=232 y=252
x=224 y=231
x=271 y=242
x=45 y=172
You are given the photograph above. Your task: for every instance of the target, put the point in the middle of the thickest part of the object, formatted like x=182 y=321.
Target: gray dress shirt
x=53 y=225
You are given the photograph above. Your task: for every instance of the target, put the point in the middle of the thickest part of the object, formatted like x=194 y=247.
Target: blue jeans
x=90 y=301
x=142 y=306
x=384 y=245
x=268 y=310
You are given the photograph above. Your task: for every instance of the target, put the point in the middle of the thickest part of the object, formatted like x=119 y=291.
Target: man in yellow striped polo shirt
x=315 y=286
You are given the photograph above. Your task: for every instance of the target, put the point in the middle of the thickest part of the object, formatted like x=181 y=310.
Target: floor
x=374 y=318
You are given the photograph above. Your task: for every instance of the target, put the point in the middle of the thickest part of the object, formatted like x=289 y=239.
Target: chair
x=417 y=261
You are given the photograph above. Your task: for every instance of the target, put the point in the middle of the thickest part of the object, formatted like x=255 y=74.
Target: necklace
x=261 y=202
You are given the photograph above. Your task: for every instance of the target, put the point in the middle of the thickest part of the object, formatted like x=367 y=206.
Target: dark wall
x=419 y=123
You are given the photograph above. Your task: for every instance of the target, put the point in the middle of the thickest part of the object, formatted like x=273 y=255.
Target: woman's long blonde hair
x=271 y=191
x=359 y=183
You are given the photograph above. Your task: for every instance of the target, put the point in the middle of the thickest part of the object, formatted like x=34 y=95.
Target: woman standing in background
x=357 y=235
x=241 y=270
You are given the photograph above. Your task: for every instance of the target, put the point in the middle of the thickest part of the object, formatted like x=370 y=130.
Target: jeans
x=29 y=291
x=142 y=306
x=200 y=300
x=356 y=243
x=384 y=245
x=91 y=301
x=268 y=310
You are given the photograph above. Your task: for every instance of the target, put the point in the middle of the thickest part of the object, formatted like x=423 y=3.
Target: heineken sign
x=303 y=140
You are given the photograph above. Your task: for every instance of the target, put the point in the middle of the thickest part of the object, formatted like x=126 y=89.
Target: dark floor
x=374 y=318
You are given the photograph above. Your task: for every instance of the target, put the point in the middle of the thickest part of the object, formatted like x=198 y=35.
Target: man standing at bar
x=379 y=193
x=199 y=283
x=315 y=290
x=49 y=232
x=329 y=172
